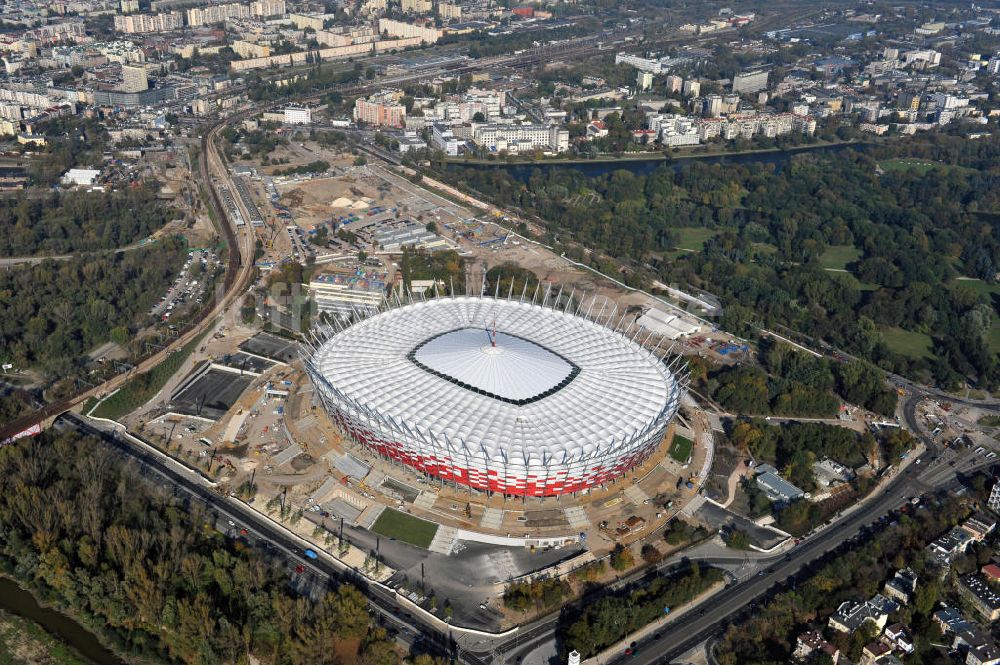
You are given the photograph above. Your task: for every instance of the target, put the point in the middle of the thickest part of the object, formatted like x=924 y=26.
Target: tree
x=622 y=558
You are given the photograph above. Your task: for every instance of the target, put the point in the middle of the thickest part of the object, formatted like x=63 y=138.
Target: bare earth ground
x=22 y=641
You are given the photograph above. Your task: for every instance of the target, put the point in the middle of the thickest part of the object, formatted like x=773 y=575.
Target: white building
x=642 y=64
x=748 y=82
x=692 y=88
x=80 y=177
x=298 y=115
x=521 y=138
x=442 y=138
x=644 y=80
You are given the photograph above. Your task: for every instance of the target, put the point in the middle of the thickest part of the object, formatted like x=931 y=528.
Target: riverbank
x=655 y=156
x=28 y=627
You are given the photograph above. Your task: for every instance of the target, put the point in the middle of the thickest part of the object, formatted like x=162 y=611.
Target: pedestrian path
x=635 y=494
x=368 y=516
x=577 y=517
x=492 y=518
x=425 y=500
x=444 y=540
x=693 y=505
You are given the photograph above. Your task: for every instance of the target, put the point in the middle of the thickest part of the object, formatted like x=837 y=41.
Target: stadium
x=500 y=395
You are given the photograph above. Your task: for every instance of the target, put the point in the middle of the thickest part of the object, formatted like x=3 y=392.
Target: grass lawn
x=407 y=528
x=920 y=166
x=692 y=238
x=837 y=257
x=978 y=285
x=907 y=343
x=680 y=449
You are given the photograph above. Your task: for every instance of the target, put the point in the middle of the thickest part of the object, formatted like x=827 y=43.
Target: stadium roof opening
x=506 y=367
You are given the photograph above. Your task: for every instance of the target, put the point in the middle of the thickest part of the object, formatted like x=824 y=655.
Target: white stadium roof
x=554 y=387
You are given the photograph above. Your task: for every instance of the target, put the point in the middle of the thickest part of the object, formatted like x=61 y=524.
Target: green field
x=836 y=257
x=908 y=343
x=680 y=449
x=919 y=166
x=140 y=389
x=978 y=285
x=407 y=528
x=692 y=238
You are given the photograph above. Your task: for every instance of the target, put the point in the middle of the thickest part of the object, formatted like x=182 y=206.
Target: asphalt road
x=938 y=470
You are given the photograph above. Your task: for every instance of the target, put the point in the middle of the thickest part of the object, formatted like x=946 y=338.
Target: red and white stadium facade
x=502 y=395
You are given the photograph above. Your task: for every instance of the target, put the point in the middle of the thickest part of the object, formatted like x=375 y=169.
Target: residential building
x=442 y=138
x=212 y=14
x=642 y=64
x=134 y=78
x=691 y=88
x=381 y=110
x=267 y=8
x=898 y=637
x=977 y=646
x=812 y=642
x=750 y=82
x=950 y=620
x=644 y=80
x=902 y=586
x=873 y=652
x=979 y=525
x=674 y=83
x=994 y=500
x=850 y=615
x=246 y=49
x=948 y=546
x=674 y=131
x=128 y=6
x=402 y=29
x=417 y=6
x=449 y=11
x=145 y=23
x=991 y=572
x=981 y=595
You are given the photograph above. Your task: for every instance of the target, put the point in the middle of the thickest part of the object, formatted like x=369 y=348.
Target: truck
x=311 y=554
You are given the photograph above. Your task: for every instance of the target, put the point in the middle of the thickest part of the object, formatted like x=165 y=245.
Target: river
x=18 y=601
x=595 y=168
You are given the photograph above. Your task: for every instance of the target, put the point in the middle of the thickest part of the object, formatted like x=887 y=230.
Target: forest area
x=912 y=235
x=57 y=311
x=151 y=576
x=63 y=222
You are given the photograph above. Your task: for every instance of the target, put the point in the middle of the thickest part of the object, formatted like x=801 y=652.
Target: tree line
x=71 y=221
x=56 y=312
x=915 y=232
x=150 y=573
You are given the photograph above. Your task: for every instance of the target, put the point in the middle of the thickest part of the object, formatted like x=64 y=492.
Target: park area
x=407 y=528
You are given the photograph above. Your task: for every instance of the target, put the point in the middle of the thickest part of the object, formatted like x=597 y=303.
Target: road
x=697 y=626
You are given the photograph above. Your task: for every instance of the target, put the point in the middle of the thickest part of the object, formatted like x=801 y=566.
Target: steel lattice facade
x=502 y=395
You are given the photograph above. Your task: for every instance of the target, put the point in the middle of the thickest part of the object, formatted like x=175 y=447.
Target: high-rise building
x=266 y=8
x=692 y=88
x=128 y=6
x=644 y=80
x=198 y=16
x=994 y=500
x=142 y=23
x=134 y=78
x=380 y=110
x=748 y=82
x=298 y=115
x=417 y=6
x=674 y=83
